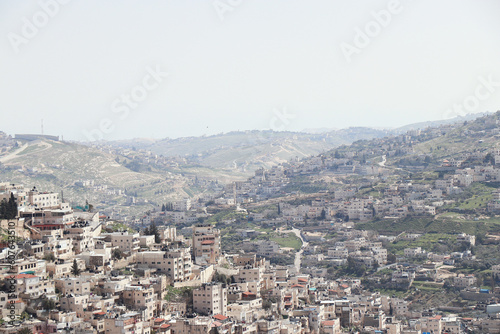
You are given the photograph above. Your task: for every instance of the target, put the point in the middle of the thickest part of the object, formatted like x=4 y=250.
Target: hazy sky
x=92 y=68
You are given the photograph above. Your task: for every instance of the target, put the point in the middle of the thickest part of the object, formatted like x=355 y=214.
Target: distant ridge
x=31 y=137
x=423 y=125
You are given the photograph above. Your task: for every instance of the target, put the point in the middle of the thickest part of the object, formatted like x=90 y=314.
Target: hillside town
x=394 y=235
x=362 y=239
x=250 y=167
x=69 y=270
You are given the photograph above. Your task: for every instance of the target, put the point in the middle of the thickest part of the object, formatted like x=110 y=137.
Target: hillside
x=249 y=150
x=152 y=172
x=444 y=178
x=88 y=173
x=434 y=124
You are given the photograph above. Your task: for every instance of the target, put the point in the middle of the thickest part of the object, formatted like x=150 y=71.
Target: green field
x=426 y=242
x=289 y=240
x=448 y=224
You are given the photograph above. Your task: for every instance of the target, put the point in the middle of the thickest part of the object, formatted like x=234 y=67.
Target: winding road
x=384 y=160
x=298 y=255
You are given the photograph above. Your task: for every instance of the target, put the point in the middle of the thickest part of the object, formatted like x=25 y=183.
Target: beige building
x=30 y=264
x=146 y=241
x=63 y=268
x=141 y=299
x=82 y=234
x=73 y=285
x=433 y=325
x=75 y=303
x=330 y=326
x=246 y=310
x=464 y=281
x=32 y=286
x=168 y=233
x=129 y=323
x=206 y=244
x=249 y=274
x=42 y=199
x=60 y=248
x=176 y=264
x=210 y=299
x=198 y=325
x=126 y=242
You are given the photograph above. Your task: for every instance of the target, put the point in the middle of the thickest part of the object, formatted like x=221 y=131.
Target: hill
x=247 y=151
x=444 y=178
x=89 y=173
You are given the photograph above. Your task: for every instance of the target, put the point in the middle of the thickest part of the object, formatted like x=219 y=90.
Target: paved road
x=298 y=255
x=387 y=266
x=13 y=155
x=384 y=159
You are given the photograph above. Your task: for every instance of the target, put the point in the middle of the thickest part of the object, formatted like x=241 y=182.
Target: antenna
x=42 y=126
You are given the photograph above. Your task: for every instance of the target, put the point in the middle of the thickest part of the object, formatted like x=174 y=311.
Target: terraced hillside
x=247 y=151
x=55 y=166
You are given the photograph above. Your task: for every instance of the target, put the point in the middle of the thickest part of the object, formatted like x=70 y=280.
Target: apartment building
x=140 y=298
x=129 y=323
x=73 y=285
x=210 y=299
x=176 y=264
x=206 y=244
x=126 y=242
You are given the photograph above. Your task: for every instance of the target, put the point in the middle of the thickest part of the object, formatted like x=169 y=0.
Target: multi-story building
x=176 y=264
x=432 y=324
x=182 y=205
x=146 y=241
x=206 y=244
x=129 y=323
x=267 y=248
x=168 y=233
x=140 y=298
x=38 y=199
x=198 y=325
x=60 y=248
x=464 y=281
x=249 y=274
x=73 y=285
x=210 y=299
x=82 y=233
x=412 y=252
x=126 y=242
x=33 y=286
x=39 y=267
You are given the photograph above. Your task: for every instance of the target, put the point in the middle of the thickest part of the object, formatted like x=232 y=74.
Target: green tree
x=13 y=206
x=48 y=304
x=354 y=268
x=24 y=330
x=8 y=209
x=49 y=257
x=153 y=230
x=74 y=269
x=391 y=258
x=489 y=158
x=117 y=254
